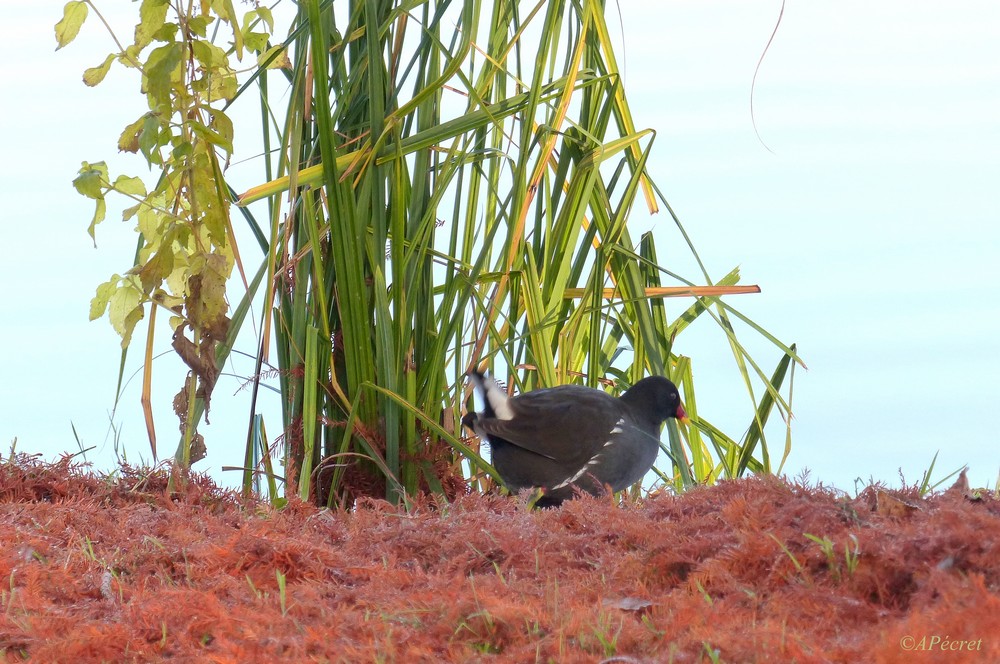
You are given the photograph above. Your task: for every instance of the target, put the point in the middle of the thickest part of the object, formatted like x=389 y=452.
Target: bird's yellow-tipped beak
x=682 y=415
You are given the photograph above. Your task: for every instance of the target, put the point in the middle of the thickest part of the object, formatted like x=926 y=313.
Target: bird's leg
x=536 y=494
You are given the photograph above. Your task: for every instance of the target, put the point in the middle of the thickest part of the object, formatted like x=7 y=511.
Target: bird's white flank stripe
x=578 y=474
x=611 y=441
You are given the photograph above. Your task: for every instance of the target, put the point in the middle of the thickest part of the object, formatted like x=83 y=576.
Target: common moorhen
x=571 y=437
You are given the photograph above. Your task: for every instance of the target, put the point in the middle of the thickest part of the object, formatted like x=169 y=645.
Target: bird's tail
x=496 y=403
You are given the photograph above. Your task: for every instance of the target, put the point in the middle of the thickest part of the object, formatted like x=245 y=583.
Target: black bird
x=572 y=437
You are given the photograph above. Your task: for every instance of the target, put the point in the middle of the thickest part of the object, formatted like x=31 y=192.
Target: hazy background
x=871 y=226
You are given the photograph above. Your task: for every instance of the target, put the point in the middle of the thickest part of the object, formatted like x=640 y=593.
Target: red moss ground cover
x=115 y=569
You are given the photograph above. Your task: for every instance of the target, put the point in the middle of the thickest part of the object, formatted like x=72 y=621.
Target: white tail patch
x=495 y=396
x=498 y=399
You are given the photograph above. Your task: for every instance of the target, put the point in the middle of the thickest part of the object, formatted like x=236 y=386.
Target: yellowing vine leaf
x=263 y=13
x=157 y=268
x=74 y=14
x=125 y=310
x=99 y=304
x=92 y=179
x=161 y=66
x=209 y=55
x=129 y=139
x=227 y=12
x=131 y=186
x=95 y=75
x=276 y=57
x=152 y=16
x=214 y=137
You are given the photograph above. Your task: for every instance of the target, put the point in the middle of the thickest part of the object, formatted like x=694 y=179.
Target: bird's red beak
x=682 y=415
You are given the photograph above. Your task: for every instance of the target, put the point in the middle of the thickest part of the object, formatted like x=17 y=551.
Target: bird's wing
x=565 y=423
